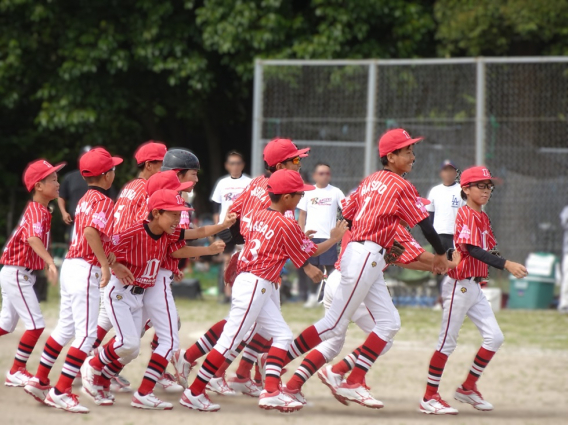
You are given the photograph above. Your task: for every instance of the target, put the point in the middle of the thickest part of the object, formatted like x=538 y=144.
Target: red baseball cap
x=150 y=151
x=166 y=180
x=168 y=200
x=38 y=170
x=287 y=181
x=394 y=139
x=279 y=150
x=97 y=161
x=475 y=174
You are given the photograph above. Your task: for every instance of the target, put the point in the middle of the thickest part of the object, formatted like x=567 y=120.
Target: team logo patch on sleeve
x=465 y=233
x=38 y=229
x=420 y=205
x=100 y=219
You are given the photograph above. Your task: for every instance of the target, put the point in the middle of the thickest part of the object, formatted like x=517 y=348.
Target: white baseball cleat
x=201 y=402
x=437 y=406
x=88 y=373
x=181 y=366
x=149 y=402
x=278 y=401
x=332 y=380
x=359 y=394
x=219 y=386
x=168 y=383
x=66 y=401
x=295 y=395
x=244 y=386
x=474 y=398
x=119 y=384
x=18 y=379
x=36 y=390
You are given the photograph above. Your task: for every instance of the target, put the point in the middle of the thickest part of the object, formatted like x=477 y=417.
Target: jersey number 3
x=251 y=252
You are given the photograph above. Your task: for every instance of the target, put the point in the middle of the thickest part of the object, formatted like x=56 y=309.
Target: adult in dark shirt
x=72 y=189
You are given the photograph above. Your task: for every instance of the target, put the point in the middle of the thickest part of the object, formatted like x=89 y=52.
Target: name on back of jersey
x=261 y=227
x=258 y=192
x=375 y=186
x=128 y=193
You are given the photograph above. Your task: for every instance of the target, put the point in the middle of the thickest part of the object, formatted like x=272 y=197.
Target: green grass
x=523 y=329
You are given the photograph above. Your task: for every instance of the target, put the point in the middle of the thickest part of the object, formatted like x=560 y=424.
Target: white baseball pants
x=160 y=308
x=362 y=281
x=362 y=318
x=103 y=320
x=19 y=299
x=79 y=304
x=125 y=311
x=254 y=300
x=463 y=298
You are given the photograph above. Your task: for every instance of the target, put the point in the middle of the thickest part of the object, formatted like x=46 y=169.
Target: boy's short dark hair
x=319 y=164
x=463 y=195
x=151 y=217
x=269 y=168
x=274 y=197
x=32 y=193
x=143 y=164
x=234 y=153
x=385 y=160
x=92 y=179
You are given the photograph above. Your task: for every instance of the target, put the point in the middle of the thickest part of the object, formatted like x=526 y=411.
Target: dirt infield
x=526 y=383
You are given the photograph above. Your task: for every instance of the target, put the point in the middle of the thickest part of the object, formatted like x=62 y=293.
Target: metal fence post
x=370 y=120
x=257 y=165
x=480 y=112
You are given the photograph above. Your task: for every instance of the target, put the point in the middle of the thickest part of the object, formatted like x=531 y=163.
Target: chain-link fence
x=509 y=113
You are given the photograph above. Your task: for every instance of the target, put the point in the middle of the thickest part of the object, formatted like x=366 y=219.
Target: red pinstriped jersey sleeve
x=349 y=205
x=410 y=206
x=412 y=249
x=100 y=217
x=298 y=247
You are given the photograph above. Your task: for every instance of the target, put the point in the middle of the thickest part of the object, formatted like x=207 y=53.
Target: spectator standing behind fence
x=563 y=301
x=318 y=212
x=445 y=201
x=224 y=194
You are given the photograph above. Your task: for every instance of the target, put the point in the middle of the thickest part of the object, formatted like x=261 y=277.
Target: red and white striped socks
x=156 y=367
x=206 y=343
x=435 y=371
x=370 y=351
x=48 y=357
x=73 y=362
x=482 y=358
x=25 y=347
x=310 y=365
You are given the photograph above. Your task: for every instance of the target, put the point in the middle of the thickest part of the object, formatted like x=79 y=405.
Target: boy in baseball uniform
x=85 y=269
x=271 y=239
x=462 y=296
x=376 y=208
x=25 y=253
x=141 y=249
x=129 y=208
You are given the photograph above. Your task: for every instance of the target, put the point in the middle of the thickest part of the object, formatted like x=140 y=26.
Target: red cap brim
x=303 y=153
x=308 y=187
x=185 y=186
x=55 y=169
x=176 y=208
x=116 y=160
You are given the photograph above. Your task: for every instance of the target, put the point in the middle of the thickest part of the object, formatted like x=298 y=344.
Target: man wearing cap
x=24 y=254
x=445 y=201
x=86 y=268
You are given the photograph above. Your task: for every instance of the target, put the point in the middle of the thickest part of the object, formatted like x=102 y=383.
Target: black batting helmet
x=180 y=159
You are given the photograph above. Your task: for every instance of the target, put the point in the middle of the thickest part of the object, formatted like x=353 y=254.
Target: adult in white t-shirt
x=318 y=212
x=224 y=194
x=445 y=201
x=229 y=187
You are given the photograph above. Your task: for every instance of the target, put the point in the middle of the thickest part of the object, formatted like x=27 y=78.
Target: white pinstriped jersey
x=142 y=252
x=379 y=203
x=36 y=221
x=472 y=228
x=95 y=210
x=271 y=238
x=131 y=205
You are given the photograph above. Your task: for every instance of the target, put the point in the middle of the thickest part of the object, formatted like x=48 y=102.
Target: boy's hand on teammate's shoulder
x=516 y=269
x=314 y=273
x=122 y=273
x=310 y=233
x=339 y=230
x=440 y=264
x=52 y=274
x=216 y=247
x=230 y=219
